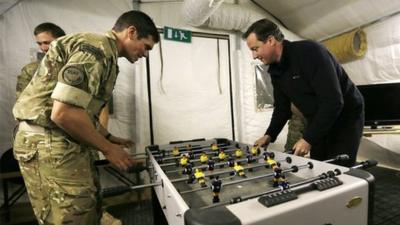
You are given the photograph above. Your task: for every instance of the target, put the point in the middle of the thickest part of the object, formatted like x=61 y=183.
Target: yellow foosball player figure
x=203 y=158
x=216 y=186
x=184 y=160
x=238 y=153
x=199 y=175
x=214 y=147
x=175 y=151
x=255 y=150
x=269 y=160
x=239 y=170
x=221 y=155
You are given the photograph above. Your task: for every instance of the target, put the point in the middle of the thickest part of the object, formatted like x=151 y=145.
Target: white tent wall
x=382 y=60
x=381 y=64
x=17 y=42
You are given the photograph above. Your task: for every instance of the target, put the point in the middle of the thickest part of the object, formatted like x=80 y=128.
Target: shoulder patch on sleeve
x=73 y=75
x=98 y=53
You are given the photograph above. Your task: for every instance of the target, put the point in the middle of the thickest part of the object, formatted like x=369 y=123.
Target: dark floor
x=133 y=213
x=386 y=204
x=387 y=196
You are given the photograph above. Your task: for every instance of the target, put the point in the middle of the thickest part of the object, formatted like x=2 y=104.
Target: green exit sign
x=177 y=35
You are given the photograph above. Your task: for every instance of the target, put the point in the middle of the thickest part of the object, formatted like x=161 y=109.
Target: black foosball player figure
x=191 y=154
x=188 y=169
x=279 y=179
x=284 y=184
x=184 y=160
x=250 y=159
x=191 y=178
x=162 y=151
x=231 y=161
x=216 y=185
x=211 y=164
x=199 y=175
x=269 y=160
x=203 y=158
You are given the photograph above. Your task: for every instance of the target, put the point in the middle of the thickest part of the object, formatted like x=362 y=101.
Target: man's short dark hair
x=141 y=21
x=263 y=29
x=53 y=29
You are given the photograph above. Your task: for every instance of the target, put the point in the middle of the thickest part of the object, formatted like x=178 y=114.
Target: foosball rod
x=195 y=147
x=220 y=173
x=112 y=191
x=226 y=163
x=226 y=149
x=292 y=169
x=275 y=190
x=362 y=165
x=195 y=160
x=198 y=160
x=197 y=150
x=132 y=169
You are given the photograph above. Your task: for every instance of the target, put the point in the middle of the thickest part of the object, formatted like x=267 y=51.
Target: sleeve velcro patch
x=98 y=53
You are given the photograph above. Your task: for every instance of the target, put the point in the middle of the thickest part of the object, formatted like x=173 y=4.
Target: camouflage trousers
x=60 y=177
x=297 y=125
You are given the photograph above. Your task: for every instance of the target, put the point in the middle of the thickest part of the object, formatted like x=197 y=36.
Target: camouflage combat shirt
x=79 y=69
x=25 y=77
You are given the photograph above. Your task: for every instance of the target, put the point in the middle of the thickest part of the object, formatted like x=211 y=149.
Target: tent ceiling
x=314 y=19
x=319 y=19
x=6 y=4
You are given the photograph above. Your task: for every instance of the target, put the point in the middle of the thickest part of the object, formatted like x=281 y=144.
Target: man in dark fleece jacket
x=306 y=74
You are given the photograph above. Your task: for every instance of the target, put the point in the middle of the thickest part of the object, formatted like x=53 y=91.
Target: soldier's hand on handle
x=119 y=157
x=263 y=141
x=301 y=148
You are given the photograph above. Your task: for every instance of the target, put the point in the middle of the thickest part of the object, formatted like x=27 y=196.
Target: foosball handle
x=366 y=164
x=113 y=191
x=136 y=169
x=343 y=157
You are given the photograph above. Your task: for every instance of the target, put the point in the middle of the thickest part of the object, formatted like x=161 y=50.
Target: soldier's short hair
x=263 y=29
x=141 y=21
x=53 y=29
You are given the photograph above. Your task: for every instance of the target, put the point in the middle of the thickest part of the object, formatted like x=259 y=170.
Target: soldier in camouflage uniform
x=44 y=33
x=58 y=113
x=296 y=126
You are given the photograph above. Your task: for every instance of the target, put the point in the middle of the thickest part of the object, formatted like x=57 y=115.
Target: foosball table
x=220 y=181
